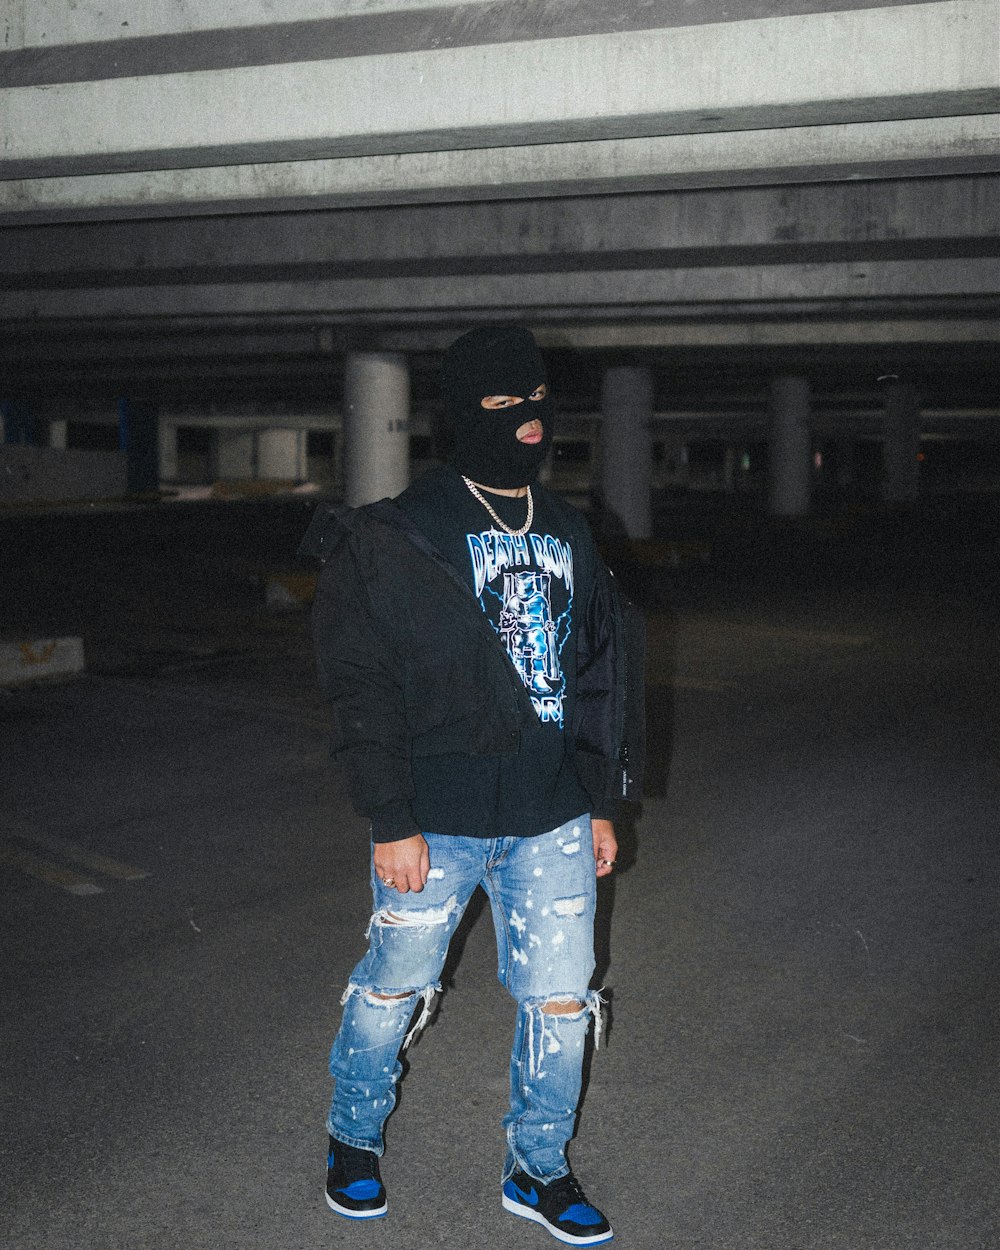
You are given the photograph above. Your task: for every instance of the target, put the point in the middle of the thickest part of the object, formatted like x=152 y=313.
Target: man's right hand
x=403 y=865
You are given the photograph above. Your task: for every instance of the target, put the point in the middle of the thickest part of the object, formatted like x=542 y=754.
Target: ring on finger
x=389 y=881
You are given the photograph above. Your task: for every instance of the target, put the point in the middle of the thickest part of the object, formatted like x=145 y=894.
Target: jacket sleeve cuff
x=609 y=809
x=393 y=822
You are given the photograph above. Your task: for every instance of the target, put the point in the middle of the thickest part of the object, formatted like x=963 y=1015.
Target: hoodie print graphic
x=525 y=586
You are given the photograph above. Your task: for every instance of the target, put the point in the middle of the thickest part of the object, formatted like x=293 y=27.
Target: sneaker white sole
x=356 y=1215
x=518 y=1208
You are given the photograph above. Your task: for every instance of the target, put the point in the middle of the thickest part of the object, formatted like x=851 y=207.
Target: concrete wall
x=44 y=474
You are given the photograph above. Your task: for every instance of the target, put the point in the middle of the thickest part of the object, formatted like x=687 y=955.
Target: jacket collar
x=389 y=512
x=332 y=523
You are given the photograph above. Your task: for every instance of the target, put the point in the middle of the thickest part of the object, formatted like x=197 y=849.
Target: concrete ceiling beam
x=931 y=59
x=85 y=344
x=885 y=218
x=897 y=332
x=628 y=291
x=116 y=345
x=46 y=24
x=909 y=148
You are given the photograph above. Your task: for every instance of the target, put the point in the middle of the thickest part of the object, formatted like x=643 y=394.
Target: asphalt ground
x=800 y=946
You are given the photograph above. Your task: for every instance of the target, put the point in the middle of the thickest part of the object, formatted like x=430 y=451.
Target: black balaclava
x=495 y=360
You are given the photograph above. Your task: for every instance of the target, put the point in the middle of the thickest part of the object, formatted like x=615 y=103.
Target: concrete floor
x=801 y=946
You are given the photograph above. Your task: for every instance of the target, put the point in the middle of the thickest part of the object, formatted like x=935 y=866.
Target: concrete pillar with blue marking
x=138 y=437
x=18 y=422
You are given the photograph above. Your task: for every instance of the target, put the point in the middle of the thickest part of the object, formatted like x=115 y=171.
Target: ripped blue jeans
x=542 y=892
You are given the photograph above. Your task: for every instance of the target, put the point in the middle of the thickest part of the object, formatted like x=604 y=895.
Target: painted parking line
x=67 y=879
x=19 y=851
x=77 y=855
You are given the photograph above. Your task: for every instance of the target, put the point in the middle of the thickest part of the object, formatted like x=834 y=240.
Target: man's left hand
x=605 y=846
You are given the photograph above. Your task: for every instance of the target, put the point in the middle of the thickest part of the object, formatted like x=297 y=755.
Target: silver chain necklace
x=496 y=520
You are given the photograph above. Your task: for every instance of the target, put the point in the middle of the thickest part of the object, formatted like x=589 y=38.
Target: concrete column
x=233 y=454
x=58 y=433
x=790 y=449
x=729 y=463
x=17 y=422
x=166 y=440
x=337 y=470
x=845 y=463
x=376 y=426
x=901 y=444
x=137 y=437
x=281 y=454
x=626 y=448
x=675 y=460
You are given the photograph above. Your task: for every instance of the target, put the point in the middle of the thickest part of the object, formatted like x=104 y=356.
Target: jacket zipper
x=622 y=666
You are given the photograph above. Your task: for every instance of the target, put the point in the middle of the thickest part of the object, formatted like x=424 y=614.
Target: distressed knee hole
x=546 y=1037
x=570 y=906
x=386 y=1003
x=563 y=1006
x=414 y=917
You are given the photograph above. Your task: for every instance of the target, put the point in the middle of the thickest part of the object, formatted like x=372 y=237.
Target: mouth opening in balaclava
x=495 y=360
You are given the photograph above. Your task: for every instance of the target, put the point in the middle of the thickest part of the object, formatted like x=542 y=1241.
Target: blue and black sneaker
x=561 y=1206
x=353 y=1185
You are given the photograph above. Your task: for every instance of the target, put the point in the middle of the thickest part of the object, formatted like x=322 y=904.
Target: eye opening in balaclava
x=495 y=360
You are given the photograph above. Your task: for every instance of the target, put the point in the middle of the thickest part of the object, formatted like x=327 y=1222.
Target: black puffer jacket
x=412 y=666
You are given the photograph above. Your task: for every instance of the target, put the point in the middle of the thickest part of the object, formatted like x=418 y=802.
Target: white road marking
x=76 y=854
x=58 y=874
x=51 y=874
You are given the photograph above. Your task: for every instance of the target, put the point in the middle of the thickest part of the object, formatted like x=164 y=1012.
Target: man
x=474 y=651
